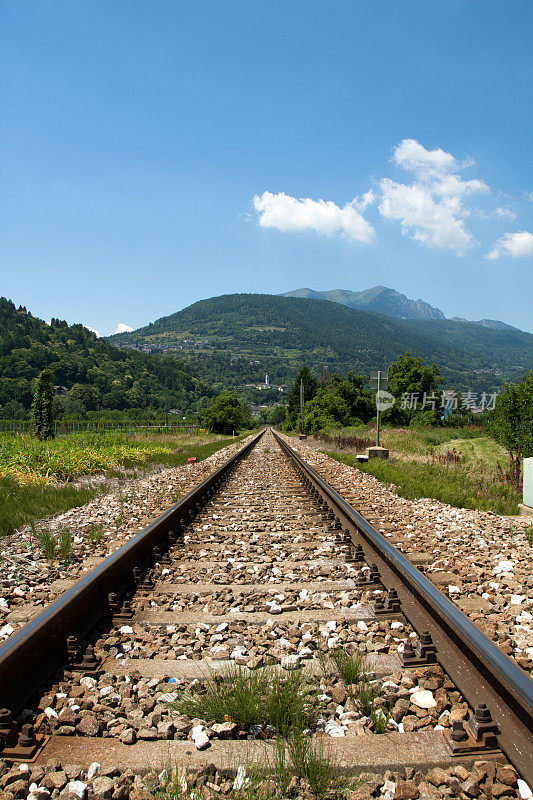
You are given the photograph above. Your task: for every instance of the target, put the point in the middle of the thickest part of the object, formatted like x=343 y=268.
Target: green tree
x=293 y=406
x=409 y=376
x=41 y=410
x=511 y=423
x=273 y=415
x=326 y=410
x=13 y=410
x=358 y=399
x=226 y=412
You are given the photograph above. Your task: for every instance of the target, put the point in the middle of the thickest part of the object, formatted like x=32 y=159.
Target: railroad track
x=264 y=569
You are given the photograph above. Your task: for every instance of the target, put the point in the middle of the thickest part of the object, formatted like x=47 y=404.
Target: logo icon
x=384 y=400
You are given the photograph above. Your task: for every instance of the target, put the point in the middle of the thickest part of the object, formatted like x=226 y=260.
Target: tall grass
x=456 y=485
x=405 y=440
x=21 y=504
x=35 y=476
x=66 y=458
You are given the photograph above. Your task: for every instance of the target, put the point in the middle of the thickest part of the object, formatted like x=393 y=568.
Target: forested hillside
x=94 y=374
x=238 y=338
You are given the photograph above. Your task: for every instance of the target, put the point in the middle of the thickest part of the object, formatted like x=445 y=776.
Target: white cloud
x=288 y=213
x=414 y=157
x=93 y=330
x=123 y=328
x=366 y=200
x=505 y=213
x=516 y=245
x=529 y=196
x=430 y=208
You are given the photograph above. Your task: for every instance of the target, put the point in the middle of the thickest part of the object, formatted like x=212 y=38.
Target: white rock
x=38 y=793
x=93 y=770
x=241 y=781
x=200 y=737
x=388 y=790
x=125 y=629
x=4 y=603
x=524 y=790
x=454 y=590
x=291 y=661
x=362 y=626
x=7 y=630
x=397 y=626
x=88 y=682
x=334 y=730
x=304 y=594
x=517 y=599
x=332 y=625
x=50 y=713
x=503 y=566
x=423 y=699
x=78 y=788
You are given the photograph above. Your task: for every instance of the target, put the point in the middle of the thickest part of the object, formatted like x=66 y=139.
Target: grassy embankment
x=36 y=477
x=458 y=466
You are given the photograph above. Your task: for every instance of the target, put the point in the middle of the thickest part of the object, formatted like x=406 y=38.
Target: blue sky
x=157 y=152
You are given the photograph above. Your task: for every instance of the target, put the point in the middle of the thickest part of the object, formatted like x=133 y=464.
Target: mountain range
x=236 y=339
x=390 y=302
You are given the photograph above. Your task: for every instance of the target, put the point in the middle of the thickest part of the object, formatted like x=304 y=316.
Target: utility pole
x=146 y=412
x=302 y=402
x=378 y=404
x=379 y=381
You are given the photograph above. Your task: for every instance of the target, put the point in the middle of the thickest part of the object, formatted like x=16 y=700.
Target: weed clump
x=257 y=697
x=351 y=666
x=353 y=669
x=95 y=533
x=53 y=547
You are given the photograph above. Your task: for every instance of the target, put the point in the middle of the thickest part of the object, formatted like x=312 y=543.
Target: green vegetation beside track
x=460 y=487
x=460 y=466
x=36 y=477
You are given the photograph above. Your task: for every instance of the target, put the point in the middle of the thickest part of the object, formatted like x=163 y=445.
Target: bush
x=226 y=413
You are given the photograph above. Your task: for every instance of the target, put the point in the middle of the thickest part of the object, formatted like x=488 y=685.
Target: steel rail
x=479 y=669
x=32 y=655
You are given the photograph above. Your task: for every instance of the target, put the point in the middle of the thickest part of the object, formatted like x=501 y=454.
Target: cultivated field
x=38 y=479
